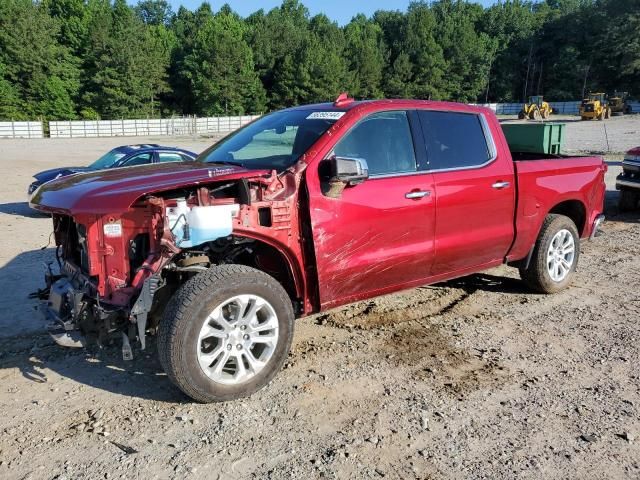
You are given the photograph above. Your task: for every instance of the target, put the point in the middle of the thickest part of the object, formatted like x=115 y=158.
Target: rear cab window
x=454 y=140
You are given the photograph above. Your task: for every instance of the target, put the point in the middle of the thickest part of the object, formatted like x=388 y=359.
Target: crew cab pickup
x=303 y=210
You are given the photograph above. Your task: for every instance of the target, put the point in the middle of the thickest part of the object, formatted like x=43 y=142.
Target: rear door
x=378 y=235
x=474 y=191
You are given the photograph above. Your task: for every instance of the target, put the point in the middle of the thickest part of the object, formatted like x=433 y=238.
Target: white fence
x=560 y=108
x=21 y=130
x=564 y=108
x=195 y=126
x=147 y=127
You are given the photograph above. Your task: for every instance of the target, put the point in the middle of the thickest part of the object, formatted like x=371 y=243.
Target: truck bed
x=527 y=156
x=572 y=184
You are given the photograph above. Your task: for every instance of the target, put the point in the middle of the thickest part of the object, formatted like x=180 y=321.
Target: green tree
x=365 y=56
x=467 y=52
x=428 y=79
x=185 y=25
x=220 y=68
x=37 y=70
x=276 y=40
x=154 y=12
x=127 y=65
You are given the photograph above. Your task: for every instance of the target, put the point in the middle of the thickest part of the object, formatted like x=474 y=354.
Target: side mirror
x=350 y=171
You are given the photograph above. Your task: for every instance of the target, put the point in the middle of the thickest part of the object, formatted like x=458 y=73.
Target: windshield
x=107 y=160
x=275 y=141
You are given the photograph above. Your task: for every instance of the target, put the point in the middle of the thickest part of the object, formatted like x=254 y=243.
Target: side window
x=165 y=157
x=454 y=140
x=140 y=159
x=384 y=140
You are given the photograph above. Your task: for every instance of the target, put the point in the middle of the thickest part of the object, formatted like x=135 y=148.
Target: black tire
x=183 y=318
x=537 y=275
x=628 y=200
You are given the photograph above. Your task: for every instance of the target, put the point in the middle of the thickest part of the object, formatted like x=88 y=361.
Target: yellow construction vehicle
x=595 y=106
x=536 y=109
x=619 y=103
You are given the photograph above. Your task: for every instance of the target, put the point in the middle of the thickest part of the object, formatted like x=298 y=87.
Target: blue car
x=125 y=156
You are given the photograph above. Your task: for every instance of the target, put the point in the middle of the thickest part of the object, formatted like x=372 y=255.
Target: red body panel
x=363 y=240
x=369 y=241
x=475 y=220
x=543 y=184
x=365 y=246
x=108 y=191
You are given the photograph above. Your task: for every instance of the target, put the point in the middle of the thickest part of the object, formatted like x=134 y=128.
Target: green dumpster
x=544 y=137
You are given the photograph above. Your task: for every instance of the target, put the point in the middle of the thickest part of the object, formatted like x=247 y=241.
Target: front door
x=379 y=235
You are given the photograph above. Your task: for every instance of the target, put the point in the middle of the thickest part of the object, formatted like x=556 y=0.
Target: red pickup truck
x=303 y=210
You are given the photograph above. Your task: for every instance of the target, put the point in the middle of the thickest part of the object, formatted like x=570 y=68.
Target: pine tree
x=220 y=68
x=365 y=56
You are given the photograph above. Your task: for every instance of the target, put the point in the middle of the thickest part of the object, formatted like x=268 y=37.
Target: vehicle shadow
x=488 y=283
x=25 y=345
x=40 y=360
x=20 y=208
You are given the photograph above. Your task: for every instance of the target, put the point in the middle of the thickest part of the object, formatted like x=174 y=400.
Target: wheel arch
x=575 y=209
x=276 y=260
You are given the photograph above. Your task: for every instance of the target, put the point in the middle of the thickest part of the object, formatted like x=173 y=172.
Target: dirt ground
x=474 y=378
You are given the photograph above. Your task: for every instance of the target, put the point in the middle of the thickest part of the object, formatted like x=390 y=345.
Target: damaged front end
x=116 y=272
x=108 y=275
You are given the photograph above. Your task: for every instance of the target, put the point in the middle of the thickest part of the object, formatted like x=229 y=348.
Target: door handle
x=501 y=185
x=417 y=194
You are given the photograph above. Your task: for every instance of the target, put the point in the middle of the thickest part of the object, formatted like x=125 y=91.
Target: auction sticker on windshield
x=326 y=116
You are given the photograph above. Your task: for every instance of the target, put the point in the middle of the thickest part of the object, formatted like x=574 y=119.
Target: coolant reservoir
x=210 y=223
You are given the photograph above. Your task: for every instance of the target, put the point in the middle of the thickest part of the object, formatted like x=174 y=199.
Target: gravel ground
x=474 y=378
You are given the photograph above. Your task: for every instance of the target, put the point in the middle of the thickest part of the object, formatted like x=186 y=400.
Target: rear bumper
x=627 y=181
x=595 y=228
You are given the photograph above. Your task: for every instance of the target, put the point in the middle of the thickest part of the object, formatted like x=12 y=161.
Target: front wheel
x=226 y=333
x=555 y=256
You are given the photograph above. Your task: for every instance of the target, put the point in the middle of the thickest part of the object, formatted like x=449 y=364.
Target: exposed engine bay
x=117 y=272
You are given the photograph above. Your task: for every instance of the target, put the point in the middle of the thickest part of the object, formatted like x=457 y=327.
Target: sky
x=340 y=10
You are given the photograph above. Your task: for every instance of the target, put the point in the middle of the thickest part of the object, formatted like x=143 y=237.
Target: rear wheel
x=628 y=200
x=226 y=333
x=555 y=256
